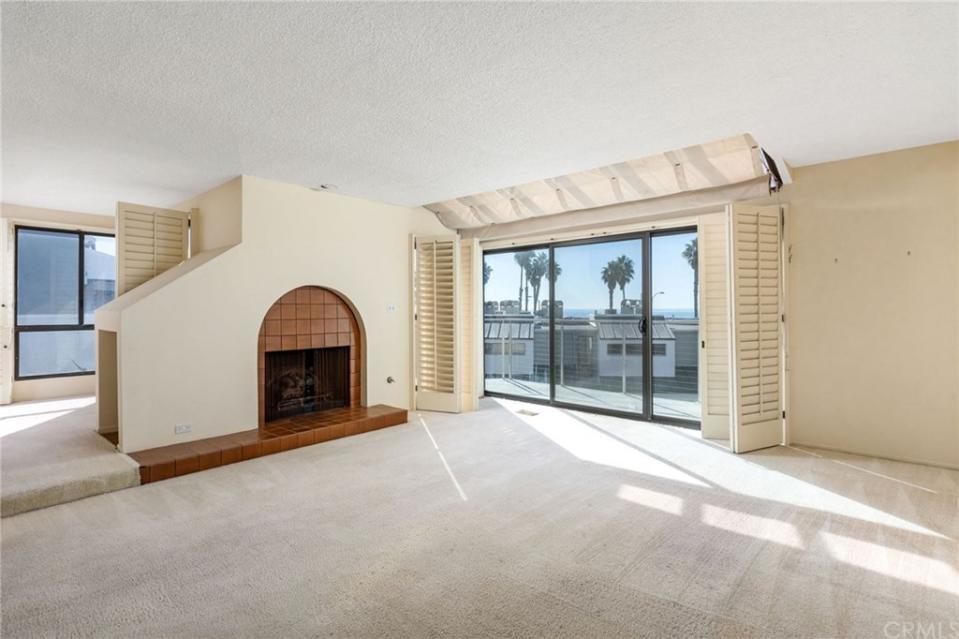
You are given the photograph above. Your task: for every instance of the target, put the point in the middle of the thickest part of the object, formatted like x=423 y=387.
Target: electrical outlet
x=181 y=429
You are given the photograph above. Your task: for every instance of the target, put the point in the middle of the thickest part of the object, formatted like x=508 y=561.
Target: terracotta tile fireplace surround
x=309 y=385
x=309 y=318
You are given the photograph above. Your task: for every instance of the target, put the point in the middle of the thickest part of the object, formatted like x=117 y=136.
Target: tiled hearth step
x=274 y=437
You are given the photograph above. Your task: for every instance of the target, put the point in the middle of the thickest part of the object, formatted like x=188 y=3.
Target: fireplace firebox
x=306 y=381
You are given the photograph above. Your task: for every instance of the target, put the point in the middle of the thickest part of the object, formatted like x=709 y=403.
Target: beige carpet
x=498 y=524
x=50 y=454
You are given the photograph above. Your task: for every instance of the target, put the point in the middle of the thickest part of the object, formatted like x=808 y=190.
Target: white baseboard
x=908 y=460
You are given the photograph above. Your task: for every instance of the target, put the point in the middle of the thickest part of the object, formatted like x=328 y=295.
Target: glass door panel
x=598 y=325
x=516 y=323
x=675 y=325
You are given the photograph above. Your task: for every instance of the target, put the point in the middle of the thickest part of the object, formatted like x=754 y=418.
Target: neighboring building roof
x=519 y=328
x=617 y=329
x=523 y=327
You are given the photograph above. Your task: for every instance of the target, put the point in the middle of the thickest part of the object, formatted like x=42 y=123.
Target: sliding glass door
x=597 y=325
x=607 y=325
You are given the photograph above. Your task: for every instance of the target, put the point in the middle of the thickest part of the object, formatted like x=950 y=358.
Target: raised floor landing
x=275 y=437
x=50 y=453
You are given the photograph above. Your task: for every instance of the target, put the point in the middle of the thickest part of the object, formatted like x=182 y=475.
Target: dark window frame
x=40 y=328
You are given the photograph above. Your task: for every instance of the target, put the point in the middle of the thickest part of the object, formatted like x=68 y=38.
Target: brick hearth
x=278 y=436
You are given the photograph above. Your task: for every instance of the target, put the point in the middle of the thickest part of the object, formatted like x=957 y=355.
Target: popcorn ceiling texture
x=414 y=103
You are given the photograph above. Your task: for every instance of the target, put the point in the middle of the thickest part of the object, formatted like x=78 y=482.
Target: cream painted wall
x=52 y=388
x=873 y=294
x=59 y=219
x=188 y=350
x=11 y=215
x=219 y=222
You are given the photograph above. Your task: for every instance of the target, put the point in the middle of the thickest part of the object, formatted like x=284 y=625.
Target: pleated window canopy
x=707 y=168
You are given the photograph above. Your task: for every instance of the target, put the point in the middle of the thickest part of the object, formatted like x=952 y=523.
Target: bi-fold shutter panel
x=7 y=304
x=757 y=326
x=435 y=297
x=715 y=359
x=149 y=241
x=470 y=306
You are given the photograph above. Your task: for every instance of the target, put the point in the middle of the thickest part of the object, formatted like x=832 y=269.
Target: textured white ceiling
x=420 y=102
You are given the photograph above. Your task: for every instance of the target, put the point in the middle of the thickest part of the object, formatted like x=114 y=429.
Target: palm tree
x=611 y=276
x=556 y=272
x=691 y=253
x=626 y=273
x=537 y=268
x=487 y=271
x=522 y=258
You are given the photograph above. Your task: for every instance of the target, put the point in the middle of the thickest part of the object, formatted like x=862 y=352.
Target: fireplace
x=309 y=355
x=306 y=381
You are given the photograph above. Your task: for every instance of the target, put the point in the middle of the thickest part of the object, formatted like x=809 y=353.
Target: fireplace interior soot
x=306 y=381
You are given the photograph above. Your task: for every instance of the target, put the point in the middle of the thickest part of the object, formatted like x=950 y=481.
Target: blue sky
x=579 y=285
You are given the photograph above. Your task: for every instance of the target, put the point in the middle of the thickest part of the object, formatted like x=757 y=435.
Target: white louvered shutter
x=7 y=303
x=435 y=323
x=149 y=241
x=715 y=356
x=469 y=307
x=757 y=327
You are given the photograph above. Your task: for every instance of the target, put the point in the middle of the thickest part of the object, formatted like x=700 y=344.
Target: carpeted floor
x=50 y=453
x=497 y=523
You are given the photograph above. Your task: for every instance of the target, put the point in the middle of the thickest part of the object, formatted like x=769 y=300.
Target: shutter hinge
x=416 y=387
x=784 y=318
x=704 y=344
x=784 y=414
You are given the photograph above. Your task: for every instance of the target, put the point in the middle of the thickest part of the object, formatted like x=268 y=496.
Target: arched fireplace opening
x=309 y=355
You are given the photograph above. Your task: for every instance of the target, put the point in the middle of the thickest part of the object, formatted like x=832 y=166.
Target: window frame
x=44 y=328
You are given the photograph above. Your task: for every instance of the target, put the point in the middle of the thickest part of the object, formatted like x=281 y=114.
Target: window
x=496 y=348
x=633 y=348
x=62 y=277
x=659 y=350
